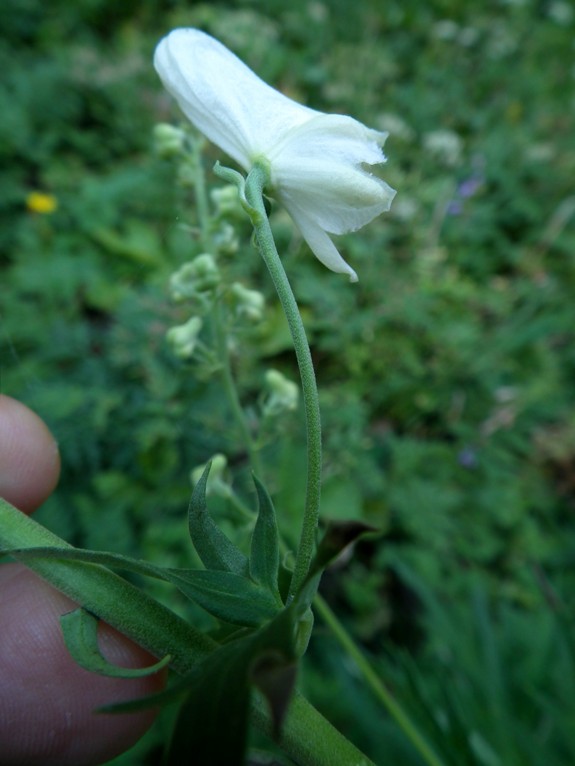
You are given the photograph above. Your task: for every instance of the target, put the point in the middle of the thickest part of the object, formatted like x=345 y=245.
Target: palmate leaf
x=80 y=631
x=112 y=560
x=231 y=588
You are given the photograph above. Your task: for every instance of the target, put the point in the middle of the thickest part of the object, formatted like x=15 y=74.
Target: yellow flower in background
x=317 y=161
x=40 y=202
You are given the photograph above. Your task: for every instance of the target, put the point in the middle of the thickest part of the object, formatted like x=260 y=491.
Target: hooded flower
x=317 y=161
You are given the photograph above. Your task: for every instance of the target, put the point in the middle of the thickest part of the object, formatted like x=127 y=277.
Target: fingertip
x=29 y=456
x=48 y=703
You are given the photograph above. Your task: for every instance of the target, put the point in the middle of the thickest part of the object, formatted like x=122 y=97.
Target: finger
x=29 y=458
x=47 y=701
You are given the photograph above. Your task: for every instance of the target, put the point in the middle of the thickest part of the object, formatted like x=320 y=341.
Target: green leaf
x=273 y=662
x=80 y=630
x=226 y=595
x=214 y=549
x=111 y=560
x=264 y=555
x=175 y=692
x=213 y=721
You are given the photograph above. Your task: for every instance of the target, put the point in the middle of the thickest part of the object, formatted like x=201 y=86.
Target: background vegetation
x=447 y=373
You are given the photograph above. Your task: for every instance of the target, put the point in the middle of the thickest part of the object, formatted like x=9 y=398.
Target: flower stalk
x=256 y=182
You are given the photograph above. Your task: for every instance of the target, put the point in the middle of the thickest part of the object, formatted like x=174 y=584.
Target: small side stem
x=377 y=687
x=255 y=184
x=202 y=204
x=232 y=392
x=230 y=389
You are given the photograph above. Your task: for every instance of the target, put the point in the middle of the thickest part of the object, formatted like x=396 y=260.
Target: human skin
x=47 y=701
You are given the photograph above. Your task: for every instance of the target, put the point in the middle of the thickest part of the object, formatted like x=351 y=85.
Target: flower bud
x=183 y=338
x=227 y=201
x=217 y=484
x=169 y=141
x=198 y=276
x=187 y=172
x=226 y=240
x=284 y=393
x=247 y=303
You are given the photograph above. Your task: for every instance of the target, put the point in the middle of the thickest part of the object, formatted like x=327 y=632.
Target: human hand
x=46 y=699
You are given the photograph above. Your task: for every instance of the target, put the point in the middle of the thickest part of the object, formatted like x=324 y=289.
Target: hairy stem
x=255 y=184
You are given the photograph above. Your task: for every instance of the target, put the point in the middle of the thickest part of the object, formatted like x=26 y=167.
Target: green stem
x=231 y=390
x=307 y=737
x=375 y=684
x=255 y=184
x=202 y=205
x=220 y=334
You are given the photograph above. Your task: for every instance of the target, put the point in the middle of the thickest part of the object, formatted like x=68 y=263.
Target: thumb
x=47 y=701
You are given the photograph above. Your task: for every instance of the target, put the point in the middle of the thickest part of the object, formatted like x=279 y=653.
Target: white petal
x=320 y=166
x=337 y=135
x=223 y=98
x=317 y=161
x=340 y=199
x=320 y=243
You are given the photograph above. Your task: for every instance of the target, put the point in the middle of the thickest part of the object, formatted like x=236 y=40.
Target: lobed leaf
x=80 y=631
x=226 y=595
x=264 y=553
x=214 y=548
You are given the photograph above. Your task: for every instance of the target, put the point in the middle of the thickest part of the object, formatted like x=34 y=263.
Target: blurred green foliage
x=446 y=374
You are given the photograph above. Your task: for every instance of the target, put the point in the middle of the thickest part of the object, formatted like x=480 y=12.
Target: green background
x=446 y=374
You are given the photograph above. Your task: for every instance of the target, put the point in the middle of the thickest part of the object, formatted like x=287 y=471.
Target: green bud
x=226 y=240
x=227 y=201
x=283 y=393
x=247 y=303
x=169 y=141
x=217 y=484
x=187 y=172
x=198 y=276
x=183 y=338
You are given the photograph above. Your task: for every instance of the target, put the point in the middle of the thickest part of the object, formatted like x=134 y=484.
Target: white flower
x=316 y=160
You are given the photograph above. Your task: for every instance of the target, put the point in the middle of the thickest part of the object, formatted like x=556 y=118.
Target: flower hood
x=317 y=161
